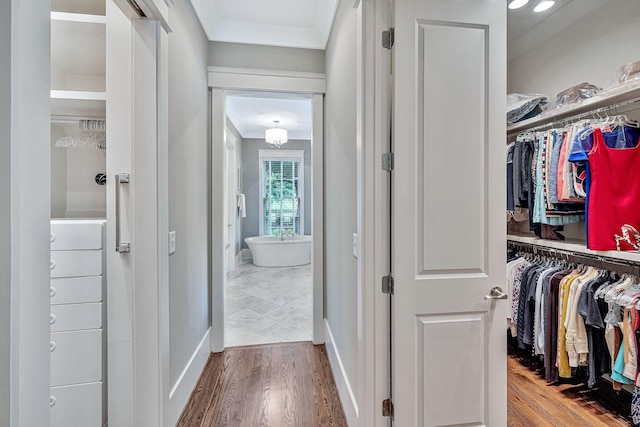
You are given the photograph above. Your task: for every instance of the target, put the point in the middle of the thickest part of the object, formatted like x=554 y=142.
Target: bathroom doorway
x=281 y=210
x=269 y=287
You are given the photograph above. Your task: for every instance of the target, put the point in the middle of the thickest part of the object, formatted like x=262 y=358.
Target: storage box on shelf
x=77 y=323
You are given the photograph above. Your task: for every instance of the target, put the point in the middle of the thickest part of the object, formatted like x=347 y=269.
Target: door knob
x=496 y=293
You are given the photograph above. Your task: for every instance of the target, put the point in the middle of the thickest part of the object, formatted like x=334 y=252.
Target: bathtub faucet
x=286 y=232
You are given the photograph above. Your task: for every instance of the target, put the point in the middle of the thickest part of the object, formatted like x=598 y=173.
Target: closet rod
x=534 y=248
x=587 y=114
x=71 y=119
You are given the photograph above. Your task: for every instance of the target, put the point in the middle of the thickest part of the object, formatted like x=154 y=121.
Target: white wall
x=251 y=183
x=58 y=174
x=590 y=50
x=265 y=57
x=188 y=285
x=238 y=150
x=24 y=212
x=340 y=188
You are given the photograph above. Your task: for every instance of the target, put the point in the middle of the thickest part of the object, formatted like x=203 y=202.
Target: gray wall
x=567 y=58
x=24 y=212
x=340 y=188
x=251 y=183
x=188 y=275
x=5 y=211
x=265 y=57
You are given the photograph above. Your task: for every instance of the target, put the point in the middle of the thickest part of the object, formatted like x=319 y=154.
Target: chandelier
x=276 y=136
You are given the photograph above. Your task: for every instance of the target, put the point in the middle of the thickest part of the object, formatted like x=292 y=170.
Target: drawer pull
x=52 y=265
x=52 y=401
x=52 y=237
x=52 y=346
x=52 y=292
x=52 y=319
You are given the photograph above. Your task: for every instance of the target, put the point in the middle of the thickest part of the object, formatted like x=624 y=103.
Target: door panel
x=453 y=186
x=449 y=238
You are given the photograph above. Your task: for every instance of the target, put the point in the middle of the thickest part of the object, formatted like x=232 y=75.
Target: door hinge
x=387 y=284
x=388 y=38
x=387 y=408
x=387 y=162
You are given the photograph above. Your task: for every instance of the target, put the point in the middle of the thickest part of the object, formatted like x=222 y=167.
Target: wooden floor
x=270 y=385
x=532 y=403
x=291 y=385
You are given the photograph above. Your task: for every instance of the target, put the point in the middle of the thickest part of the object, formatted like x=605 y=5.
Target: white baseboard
x=181 y=391
x=349 y=403
x=239 y=258
x=246 y=254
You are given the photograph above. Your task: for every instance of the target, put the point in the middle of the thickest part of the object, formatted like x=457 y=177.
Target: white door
x=230 y=205
x=448 y=186
x=137 y=217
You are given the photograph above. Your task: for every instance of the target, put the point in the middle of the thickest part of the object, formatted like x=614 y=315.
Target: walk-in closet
x=573 y=212
x=78 y=394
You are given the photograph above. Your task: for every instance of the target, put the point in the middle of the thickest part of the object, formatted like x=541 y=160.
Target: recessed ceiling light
x=516 y=4
x=544 y=5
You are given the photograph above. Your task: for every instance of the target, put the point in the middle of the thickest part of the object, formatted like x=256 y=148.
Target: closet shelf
x=89 y=105
x=573 y=246
x=616 y=96
x=78 y=17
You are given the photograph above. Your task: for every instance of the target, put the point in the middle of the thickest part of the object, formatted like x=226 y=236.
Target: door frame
x=220 y=80
x=373 y=210
x=231 y=194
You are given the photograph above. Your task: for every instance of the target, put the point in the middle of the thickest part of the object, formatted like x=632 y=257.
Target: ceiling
x=253 y=113
x=288 y=23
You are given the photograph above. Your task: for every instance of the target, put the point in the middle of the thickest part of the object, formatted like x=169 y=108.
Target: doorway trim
x=220 y=80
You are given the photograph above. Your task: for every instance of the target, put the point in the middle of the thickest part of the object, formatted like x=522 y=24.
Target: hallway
x=271 y=385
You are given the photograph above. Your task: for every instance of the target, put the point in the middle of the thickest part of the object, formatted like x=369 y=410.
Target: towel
x=242 y=207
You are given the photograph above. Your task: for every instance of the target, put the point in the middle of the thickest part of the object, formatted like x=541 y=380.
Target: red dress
x=614 y=194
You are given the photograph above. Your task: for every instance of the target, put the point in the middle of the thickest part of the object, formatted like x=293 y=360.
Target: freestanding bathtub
x=287 y=251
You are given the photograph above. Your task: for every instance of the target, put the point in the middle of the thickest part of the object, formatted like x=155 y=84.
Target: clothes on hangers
x=550 y=173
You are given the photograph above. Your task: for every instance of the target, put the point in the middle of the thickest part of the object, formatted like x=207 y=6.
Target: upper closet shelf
x=573 y=246
x=617 y=97
x=78 y=17
x=86 y=105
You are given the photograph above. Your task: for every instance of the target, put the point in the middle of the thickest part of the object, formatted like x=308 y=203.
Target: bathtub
x=288 y=251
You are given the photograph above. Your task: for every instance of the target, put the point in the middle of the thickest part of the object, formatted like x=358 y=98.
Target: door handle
x=121 y=247
x=496 y=293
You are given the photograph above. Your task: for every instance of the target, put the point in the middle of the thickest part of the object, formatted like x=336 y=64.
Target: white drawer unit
x=70 y=317
x=76 y=263
x=76 y=357
x=76 y=405
x=75 y=290
x=67 y=236
x=78 y=344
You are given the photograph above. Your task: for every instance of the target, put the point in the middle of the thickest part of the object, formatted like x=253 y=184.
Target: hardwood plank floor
x=533 y=403
x=276 y=385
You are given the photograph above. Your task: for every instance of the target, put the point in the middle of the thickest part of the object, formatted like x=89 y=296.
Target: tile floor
x=268 y=305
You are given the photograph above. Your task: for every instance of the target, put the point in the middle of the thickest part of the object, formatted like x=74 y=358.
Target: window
x=281 y=192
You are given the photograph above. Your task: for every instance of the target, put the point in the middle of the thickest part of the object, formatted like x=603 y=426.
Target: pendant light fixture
x=276 y=136
x=516 y=4
x=544 y=5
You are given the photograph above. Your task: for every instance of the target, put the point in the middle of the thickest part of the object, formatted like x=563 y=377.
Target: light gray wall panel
x=188 y=286
x=240 y=55
x=340 y=188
